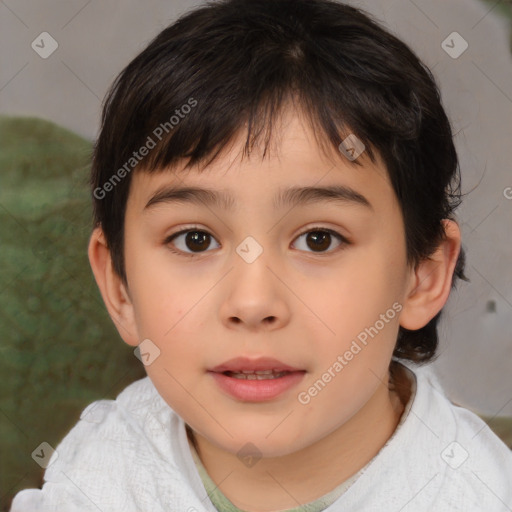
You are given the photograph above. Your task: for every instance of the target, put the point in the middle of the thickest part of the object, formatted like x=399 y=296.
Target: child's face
x=302 y=301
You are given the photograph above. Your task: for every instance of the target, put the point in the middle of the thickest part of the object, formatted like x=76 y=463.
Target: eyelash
x=342 y=240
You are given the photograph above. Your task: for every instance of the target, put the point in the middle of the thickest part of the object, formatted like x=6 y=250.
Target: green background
x=59 y=349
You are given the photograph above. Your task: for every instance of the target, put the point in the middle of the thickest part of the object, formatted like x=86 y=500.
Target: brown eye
x=197 y=240
x=192 y=241
x=319 y=240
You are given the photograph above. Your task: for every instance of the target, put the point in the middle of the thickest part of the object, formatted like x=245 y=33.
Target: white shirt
x=132 y=454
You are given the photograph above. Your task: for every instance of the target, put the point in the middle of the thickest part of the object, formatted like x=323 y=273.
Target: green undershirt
x=222 y=504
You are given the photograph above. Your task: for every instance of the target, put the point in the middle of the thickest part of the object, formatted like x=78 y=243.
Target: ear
x=431 y=281
x=113 y=290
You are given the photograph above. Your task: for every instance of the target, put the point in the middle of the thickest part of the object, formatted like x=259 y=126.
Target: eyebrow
x=293 y=196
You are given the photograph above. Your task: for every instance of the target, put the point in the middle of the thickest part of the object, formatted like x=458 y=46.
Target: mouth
x=255 y=380
x=257 y=375
x=258 y=366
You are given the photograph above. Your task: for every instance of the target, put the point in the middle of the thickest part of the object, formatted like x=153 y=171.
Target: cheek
x=170 y=310
x=357 y=293
x=164 y=293
x=350 y=303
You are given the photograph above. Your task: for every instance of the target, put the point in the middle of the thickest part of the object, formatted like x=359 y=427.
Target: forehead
x=293 y=162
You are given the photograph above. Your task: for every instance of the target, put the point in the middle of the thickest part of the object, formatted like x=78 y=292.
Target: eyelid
x=169 y=238
x=344 y=241
x=318 y=227
x=186 y=229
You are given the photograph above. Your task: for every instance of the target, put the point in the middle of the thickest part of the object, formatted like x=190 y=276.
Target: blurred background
x=58 y=348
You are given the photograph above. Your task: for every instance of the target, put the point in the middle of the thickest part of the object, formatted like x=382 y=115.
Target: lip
x=255 y=390
x=239 y=364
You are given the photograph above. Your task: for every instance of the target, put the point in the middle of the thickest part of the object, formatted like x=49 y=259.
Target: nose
x=255 y=299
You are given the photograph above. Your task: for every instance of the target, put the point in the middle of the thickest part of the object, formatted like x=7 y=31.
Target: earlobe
x=431 y=281
x=112 y=289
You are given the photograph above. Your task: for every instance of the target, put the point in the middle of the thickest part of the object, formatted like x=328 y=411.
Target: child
x=304 y=152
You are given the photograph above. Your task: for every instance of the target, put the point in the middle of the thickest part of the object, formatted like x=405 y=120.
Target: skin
x=298 y=305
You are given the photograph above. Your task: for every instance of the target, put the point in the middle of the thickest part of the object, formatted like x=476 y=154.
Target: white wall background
x=97 y=38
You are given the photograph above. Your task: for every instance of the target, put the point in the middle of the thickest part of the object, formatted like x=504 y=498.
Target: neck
x=279 y=483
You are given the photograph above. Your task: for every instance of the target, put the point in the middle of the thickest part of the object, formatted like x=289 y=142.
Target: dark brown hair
x=234 y=63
